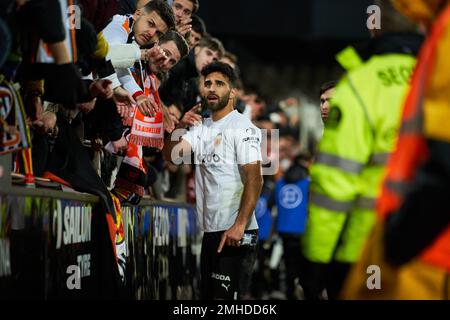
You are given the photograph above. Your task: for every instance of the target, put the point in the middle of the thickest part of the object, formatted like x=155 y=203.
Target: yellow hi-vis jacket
x=359 y=135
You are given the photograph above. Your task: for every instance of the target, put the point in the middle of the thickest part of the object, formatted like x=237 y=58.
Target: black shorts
x=225 y=275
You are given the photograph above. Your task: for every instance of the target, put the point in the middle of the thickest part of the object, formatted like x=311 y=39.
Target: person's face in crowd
x=204 y=56
x=194 y=39
x=285 y=148
x=285 y=153
x=175 y=112
x=148 y=27
x=173 y=56
x=182 y=9
x=325 y=103
x=217 y=91
x=248 y=98
x=228 y=62
x=258 y=107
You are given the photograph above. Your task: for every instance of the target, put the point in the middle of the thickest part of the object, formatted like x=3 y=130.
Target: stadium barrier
x=56 y=245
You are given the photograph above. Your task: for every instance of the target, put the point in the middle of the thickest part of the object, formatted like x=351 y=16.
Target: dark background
x=286 y=47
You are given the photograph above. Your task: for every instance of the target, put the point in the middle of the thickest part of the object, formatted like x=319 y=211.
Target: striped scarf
x=147 y=131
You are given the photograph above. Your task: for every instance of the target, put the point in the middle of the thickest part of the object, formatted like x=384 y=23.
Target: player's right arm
x=179 y=144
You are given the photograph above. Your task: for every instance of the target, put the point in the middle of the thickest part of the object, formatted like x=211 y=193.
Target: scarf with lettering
x=147 y=131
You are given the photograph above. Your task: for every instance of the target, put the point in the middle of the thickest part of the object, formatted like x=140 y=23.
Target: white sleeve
x=124 y=55
x=114 y=79
x=115 y=32
x=127 y=81
x=248 y=144
x=191 y=136
x=121 y=53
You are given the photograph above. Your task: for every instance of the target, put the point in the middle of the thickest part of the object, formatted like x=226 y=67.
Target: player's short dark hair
x=163 y=9
x=222 y=68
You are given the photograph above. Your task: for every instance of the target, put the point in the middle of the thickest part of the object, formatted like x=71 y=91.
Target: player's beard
x=219 y=105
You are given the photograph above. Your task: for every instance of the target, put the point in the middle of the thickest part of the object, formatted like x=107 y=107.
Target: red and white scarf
x=147 y=131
